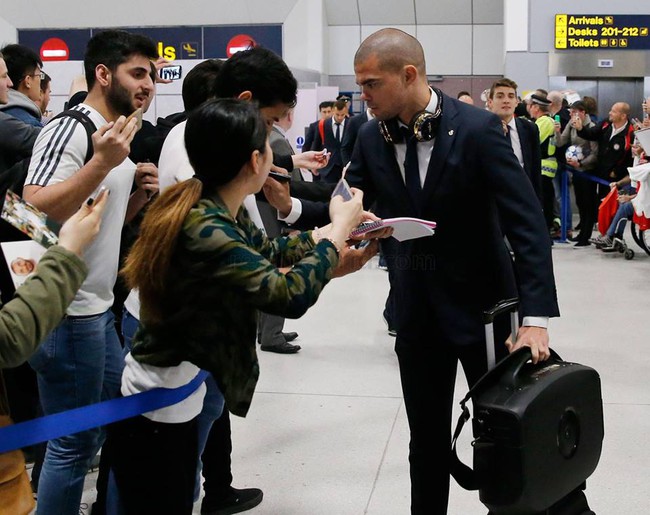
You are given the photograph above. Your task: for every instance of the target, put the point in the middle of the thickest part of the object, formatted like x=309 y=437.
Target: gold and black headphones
x=424 y=125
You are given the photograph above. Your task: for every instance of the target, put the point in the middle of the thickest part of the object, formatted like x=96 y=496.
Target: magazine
x=30 y=220
x=22 y=257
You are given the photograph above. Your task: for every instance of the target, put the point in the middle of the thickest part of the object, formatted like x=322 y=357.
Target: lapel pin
x=451 y=132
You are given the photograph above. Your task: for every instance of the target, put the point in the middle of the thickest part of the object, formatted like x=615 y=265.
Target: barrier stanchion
x=564 y=207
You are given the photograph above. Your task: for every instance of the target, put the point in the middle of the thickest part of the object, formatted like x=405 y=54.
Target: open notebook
x=404 y=227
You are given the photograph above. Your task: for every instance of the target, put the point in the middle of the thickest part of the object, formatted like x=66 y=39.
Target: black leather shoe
x=282 y=348
x=582 y=244
x=391 y=330
x=290 y=336
x=235 y=502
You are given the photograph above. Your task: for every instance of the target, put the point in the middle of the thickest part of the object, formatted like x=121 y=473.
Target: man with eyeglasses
x=16 y=137
x=25 y=70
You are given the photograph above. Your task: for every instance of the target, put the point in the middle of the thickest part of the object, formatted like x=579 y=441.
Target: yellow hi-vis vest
x=546 y=126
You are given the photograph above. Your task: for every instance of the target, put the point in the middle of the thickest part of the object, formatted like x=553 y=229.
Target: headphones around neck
x=424 y=125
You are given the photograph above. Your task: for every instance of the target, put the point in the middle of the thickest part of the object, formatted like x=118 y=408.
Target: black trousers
x=389 y=252
x=587 y=192
x=428 y=362
x=216 y=459
x=154 y=465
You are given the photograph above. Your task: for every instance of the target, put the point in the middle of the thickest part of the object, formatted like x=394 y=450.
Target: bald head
x=394 y=49
x=619 y=113
x=556 y=98
x=625 y=108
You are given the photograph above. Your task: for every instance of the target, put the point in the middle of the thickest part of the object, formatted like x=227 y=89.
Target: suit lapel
x=442 y=145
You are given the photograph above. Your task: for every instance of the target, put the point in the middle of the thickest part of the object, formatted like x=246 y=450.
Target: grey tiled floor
x=327 y=432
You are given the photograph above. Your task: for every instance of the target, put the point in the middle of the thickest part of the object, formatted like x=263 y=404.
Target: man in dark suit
x=522 y=134
x=325 y=110
x=350 y=134
x=468 y=180
x=333 y=131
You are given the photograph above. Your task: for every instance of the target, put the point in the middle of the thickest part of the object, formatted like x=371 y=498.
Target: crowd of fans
x=552 y=134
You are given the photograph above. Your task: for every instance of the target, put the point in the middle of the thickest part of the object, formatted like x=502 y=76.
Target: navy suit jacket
x=475 y=192
x=310 y=135
x=531 y=150
x=350 y=135
x=335 y=163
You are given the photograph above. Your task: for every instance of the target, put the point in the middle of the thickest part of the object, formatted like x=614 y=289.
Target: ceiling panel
x=392 y=12
x=488 y=11
x=447 y=48
x=488 y=56
x=343 y=44
x=436 y=12
x=342 y=12
x=27 y=14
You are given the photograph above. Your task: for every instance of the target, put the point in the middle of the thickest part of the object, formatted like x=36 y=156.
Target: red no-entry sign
x=238 y=43
x=55 y=49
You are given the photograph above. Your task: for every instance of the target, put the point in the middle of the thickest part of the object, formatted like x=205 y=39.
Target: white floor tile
x=327 y=432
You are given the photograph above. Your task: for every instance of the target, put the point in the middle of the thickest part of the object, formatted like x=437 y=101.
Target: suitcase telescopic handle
x=504 y=306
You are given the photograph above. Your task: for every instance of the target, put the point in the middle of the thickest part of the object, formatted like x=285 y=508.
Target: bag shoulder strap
x=87 y=123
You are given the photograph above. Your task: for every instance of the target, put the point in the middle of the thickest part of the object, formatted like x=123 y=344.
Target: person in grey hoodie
x=16 y=137
x=26 y=73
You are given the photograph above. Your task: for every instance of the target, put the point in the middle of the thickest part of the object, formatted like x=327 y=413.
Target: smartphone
x=280 y=177
x=137 y=114
x=342 y=188
x=174 y=72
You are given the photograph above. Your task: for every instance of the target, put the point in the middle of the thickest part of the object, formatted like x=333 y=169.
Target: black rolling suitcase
x=538 y=431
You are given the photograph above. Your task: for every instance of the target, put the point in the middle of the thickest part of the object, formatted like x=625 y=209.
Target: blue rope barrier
x=593 y=178
x=73 y=421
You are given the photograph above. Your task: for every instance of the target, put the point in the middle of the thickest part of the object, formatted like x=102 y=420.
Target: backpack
x=13 y=178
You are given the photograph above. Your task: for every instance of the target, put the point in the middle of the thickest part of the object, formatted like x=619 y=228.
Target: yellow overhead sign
x=624 y=31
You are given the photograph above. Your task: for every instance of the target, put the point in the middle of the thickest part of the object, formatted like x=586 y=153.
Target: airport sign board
x=602 y=31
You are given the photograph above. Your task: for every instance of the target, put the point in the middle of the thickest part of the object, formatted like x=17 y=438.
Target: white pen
x=345 y=169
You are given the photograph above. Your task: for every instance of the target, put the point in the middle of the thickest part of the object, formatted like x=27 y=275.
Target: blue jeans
x=78 y=364
x=213 y=405
x=130 y=325
x=624 y=212
x=213 y=402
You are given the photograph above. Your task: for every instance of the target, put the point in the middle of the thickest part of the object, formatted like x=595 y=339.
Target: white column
x=515 y=25
x=8 y=33
x=305 y=36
